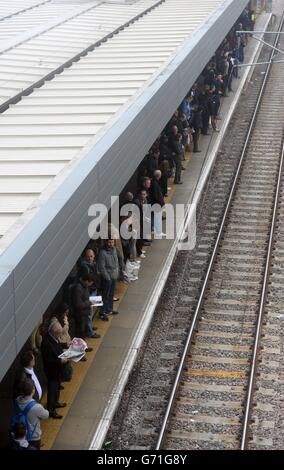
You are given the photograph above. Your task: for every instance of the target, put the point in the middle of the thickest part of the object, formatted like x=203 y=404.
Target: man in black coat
x=81 y=303
x=178 y=155
x=157 y=199
x=51 y=348
x=156 y=190
x=153 y=161
x=197 y=123
x=141 y=201
x=88 y=265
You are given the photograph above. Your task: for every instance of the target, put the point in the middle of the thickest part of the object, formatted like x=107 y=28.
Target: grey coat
x=110 y=263
x=34 y=416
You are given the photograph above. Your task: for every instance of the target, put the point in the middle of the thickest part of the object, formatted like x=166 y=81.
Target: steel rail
x=261 y=308
x=213 y=256
x=262 y=301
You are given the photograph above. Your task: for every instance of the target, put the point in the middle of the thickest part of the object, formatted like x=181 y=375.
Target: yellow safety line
x=51 y=427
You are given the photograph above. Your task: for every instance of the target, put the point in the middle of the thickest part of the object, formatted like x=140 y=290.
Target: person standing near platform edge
x=26 y=371
x=53 y=366
x=34 y=412
x=88 y=265
x=110 y=263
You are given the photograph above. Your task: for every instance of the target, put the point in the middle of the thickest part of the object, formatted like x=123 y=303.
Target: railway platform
x=98 y=384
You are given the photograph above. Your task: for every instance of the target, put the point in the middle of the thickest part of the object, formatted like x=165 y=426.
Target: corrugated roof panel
x=6 y=222
x=16 y=203
x=17 y=185
x=30 y=168
x=33 y=17
x=9 y=8
x=49 y=50
x=74 y=105
x=69 y=110
x=38 y=154
x=50 y=130
x=39 y=141
x=78 y=117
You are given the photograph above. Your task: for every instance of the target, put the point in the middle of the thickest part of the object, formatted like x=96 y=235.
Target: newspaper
x=75 y=356
x=76 y=350
x=96 y=300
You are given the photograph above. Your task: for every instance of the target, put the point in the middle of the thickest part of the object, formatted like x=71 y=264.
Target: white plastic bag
x=132 y=270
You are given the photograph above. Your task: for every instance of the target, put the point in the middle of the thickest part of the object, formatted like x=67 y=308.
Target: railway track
x=208 y=412
x=267 y=413
x=220 y=358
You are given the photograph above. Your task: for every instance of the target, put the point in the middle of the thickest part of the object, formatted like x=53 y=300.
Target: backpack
x=21 y=416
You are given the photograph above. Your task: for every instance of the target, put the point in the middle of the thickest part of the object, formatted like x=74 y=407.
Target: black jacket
x=197 y=121
x=152 y=164
x=165 y=152
x=156 y=193
x=176 y=147
x=50 y=351
x=87 y=268
x=80 y=300
x=14 y=445
x=140 y=205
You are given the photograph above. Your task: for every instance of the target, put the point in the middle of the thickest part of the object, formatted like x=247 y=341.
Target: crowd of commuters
x=103 y=262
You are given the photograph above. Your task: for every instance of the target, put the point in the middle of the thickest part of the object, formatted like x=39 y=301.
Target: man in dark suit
x=141 y=202
x=51 y=348
x=26 y=371
x=82 y=304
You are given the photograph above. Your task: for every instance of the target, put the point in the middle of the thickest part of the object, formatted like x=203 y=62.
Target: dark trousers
x=53 y=392
x=205 y=122
x=81 y=326
x=230 y=79
x=164 y=183
x=177 y=160
x=139 y=243
x=108 y=288
x=36 y=444
x=225 y=81
x=241 y=53
x=196 y=136
x=236 y=69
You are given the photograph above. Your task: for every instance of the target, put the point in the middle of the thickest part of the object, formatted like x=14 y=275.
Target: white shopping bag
x=132 y=270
